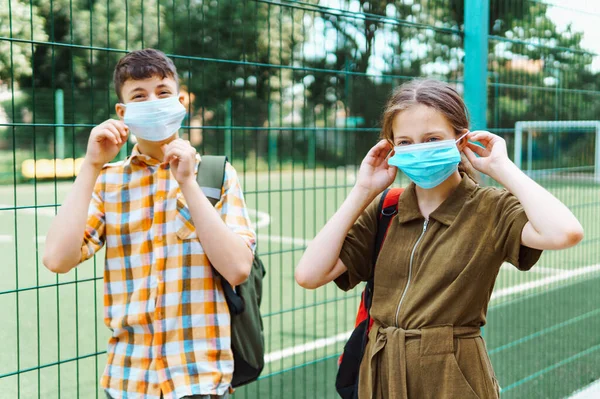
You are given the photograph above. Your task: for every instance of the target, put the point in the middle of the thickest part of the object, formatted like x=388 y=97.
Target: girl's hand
x=492 y=157
x=375 y=174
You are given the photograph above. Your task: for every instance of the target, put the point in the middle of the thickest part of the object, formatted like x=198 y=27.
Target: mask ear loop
x=461 y=137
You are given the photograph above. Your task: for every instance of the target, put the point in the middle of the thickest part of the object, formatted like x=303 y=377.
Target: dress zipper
x=412 y=256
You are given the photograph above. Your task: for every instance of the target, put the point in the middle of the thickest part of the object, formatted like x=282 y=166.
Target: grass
x=63 y=319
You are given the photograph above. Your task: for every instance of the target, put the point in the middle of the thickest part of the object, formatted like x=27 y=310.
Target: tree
x=18 y=20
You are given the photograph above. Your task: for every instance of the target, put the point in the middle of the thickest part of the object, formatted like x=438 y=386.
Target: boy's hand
x=106 y=141
x=182 y=157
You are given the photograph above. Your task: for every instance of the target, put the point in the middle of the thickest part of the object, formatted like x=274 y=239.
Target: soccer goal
x=563 y=127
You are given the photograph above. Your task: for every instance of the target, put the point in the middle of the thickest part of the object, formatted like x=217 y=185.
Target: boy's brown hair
x=143 y=64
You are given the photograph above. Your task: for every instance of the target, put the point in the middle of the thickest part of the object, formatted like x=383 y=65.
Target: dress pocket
x=442 y=378
x=488 y=368
x=462 y=385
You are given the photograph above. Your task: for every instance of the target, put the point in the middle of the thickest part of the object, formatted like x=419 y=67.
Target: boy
x=163 y=300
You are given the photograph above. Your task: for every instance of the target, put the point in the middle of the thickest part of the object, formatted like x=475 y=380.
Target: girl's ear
x=463 y=141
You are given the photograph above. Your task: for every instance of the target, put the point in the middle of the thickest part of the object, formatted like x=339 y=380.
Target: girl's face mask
x=155 y=120
x=428 y=164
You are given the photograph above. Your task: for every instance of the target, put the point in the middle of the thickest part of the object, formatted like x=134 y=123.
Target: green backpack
x=247 y=340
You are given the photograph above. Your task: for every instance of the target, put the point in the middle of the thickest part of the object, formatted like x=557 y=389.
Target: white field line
x=9 y=239
x=264 y=219
x=6 y=238
x=541 y=270
x=309 y=346
x=592 y=391
x=507 y=267
x=543 y=282
x=322 y=342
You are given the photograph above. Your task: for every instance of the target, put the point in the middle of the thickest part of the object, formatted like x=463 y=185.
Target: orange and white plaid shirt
x=162 y=300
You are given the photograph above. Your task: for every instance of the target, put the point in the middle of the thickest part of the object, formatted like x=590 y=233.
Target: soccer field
x=540 y=332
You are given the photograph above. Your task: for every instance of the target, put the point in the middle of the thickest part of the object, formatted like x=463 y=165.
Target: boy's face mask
x=427 y=164
x=154 y=120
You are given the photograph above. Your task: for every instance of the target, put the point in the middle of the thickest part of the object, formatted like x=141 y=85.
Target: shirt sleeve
x=510 y=218
x=93 y=236
x=357 y=250
x=233 y=210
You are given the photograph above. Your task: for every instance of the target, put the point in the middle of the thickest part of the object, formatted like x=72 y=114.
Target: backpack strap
x=386 y=210
x=211 y=176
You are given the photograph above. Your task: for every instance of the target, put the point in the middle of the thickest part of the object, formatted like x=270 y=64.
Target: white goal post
x=520 y=126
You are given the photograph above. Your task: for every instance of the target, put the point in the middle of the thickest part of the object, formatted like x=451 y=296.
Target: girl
x=443 y=250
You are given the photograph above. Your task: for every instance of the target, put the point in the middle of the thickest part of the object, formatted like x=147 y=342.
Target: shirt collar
x=408 y=207
x=137 y=158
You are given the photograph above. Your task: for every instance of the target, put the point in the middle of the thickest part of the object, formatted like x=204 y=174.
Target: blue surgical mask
x=427 y=164
x=155 y=120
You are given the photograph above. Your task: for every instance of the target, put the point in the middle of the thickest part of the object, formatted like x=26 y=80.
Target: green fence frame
x=292 y=92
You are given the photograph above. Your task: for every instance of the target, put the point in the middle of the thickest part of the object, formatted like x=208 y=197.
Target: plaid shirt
x=166 y=309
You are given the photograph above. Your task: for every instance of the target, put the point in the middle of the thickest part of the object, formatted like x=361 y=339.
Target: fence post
x=476 y=29
x=59 y=120
x=272 y=140
x=312 y=149
x=228 y=132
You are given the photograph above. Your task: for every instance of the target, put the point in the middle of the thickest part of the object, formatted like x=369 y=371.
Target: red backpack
x=346 y=382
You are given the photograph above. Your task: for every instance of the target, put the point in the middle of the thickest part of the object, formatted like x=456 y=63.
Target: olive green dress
x=433 y=282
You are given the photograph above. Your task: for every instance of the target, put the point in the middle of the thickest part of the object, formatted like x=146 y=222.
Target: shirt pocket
x=184 y=226
x=124 y=218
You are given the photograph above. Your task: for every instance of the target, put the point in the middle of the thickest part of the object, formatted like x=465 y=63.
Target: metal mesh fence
x=292 y=92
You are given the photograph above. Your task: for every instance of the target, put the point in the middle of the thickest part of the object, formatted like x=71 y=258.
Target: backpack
x=346 y=382
x=247 y=340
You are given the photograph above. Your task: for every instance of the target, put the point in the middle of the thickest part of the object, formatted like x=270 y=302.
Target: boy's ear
x=120 y=109
x=182 y=98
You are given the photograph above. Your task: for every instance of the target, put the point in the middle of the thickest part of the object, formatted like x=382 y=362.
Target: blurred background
x=292 y=92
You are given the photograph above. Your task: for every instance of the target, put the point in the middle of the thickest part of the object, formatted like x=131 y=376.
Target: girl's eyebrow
x=434 y=132
x=424 y=135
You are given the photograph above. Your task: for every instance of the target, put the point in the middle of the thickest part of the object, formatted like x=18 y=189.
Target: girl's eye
x=403 y=142
x=433 y=139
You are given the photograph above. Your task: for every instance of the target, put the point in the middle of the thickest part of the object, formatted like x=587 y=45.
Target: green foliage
x=18 y=20
x=305 y=65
